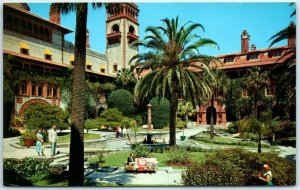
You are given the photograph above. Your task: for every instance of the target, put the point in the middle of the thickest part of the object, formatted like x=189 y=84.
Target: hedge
x=123 y=101
x=160 y=112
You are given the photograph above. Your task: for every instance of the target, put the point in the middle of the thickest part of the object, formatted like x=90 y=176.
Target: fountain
x=149 y=133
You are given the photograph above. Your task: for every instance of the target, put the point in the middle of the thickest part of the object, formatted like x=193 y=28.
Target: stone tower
x=122 y=29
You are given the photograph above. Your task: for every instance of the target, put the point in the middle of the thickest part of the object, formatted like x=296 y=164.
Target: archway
x=30 y=102
x=208 y=115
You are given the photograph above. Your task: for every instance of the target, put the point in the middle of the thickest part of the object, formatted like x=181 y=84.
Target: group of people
x=121 y=132
x=40 y=144
x=153 y=141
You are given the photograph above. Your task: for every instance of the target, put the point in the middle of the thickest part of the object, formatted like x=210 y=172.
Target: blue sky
x=223 y=22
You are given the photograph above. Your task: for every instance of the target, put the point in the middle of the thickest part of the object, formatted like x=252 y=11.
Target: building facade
x=38 y=46
x=236 y=65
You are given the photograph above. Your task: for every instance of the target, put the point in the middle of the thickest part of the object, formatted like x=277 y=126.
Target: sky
x=223 y=22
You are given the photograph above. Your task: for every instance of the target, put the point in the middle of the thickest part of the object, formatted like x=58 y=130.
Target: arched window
x=115 y=28
x=131 y=29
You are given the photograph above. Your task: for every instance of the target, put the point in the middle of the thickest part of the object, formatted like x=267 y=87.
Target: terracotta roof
x=66 y=30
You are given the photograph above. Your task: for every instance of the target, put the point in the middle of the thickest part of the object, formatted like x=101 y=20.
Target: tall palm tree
x=174 y=62
x=76 y=170
x=256 y=81
x=219 y=89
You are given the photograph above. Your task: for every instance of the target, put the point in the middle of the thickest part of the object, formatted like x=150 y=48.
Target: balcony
x=114 y=38
x=131 y=37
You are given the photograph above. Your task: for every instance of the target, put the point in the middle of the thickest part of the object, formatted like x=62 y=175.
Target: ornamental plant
x=123 y=101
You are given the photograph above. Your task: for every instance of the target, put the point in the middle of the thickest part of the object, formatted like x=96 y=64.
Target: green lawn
x=87 y=136
x=119 y=158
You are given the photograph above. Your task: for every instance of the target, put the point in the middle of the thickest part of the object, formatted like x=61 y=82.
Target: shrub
x=112 y=114
x=28 y=135
x=91 y=124
x=141 y=150
x=178 y=156
x=160 y=112
x=24 y=171
x=122 y=100
x=44 y=116
x=232 y=128
x=180 y=124
x=238 y=167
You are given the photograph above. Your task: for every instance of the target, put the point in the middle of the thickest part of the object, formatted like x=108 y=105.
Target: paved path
x=11 y=151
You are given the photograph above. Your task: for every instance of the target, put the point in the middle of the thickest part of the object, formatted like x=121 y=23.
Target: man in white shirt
x=52 y=135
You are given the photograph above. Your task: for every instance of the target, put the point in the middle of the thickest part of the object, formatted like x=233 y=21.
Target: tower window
x=131 y=29
x=102 y=70
x=115 y=28
x=115 y=69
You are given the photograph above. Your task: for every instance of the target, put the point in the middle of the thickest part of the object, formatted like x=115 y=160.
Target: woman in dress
x=39 y=143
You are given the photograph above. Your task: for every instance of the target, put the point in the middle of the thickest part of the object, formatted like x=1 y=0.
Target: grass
x=65 y=138
x=119 y=158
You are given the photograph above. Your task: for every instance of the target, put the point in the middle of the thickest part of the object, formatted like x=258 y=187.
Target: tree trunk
x=173 y=113
x=76 y=164
x=259 y=142
x=212 y=117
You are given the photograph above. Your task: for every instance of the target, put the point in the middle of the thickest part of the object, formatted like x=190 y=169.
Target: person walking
x=124 y=132
x=117 y=132
x=52 y=135
x=39 y=143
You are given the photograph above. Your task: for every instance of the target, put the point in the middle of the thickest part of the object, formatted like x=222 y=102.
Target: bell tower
x=122 y=28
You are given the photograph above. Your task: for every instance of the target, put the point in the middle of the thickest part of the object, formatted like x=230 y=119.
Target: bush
x=44 y=116
x=122 y=100
x=140 y=150
x=180 y=124
x=238 y=167
x=24 y=172
x=28 y=135
x=112 y=114
x=91 y=124
x=160 y=112
x=232 y=128
x=178 y=156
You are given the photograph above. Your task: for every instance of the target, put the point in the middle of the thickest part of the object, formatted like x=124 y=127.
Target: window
x=29 y=28
x=115 y=69
x=252 y=56
x=102 y=70
x=131 y=29
x=89 y=67
x=72 y=62
x=47 y=36
x=228 y=59
x=49 y=91
x=55 y=91
x=40 y=90
x=16 y=24
x=276 y=53
x=35 y=31
x=33 y=88
x=270 y=91
x=23 y=88
x=24 y=51
x=115 y=28
x=48 y=57
x=23 y=27
x=41 y=33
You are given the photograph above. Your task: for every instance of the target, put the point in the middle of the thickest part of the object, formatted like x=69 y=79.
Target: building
x=38 y=47
x=235 y=65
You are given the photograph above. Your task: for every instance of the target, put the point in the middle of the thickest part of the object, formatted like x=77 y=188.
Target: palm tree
x=219 y=89
x=174 y=62
x=76 y=170
x=186 y=109
x=126 y=79
x=256 y=81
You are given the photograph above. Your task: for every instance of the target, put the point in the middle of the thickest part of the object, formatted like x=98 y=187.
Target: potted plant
x=28 y=138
